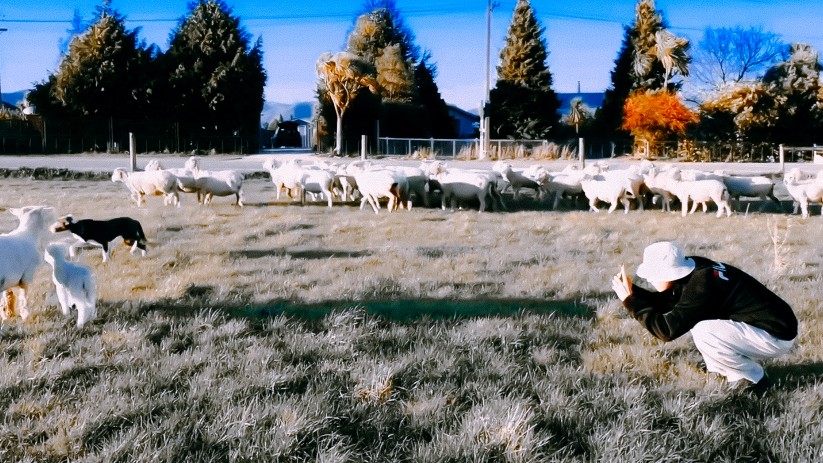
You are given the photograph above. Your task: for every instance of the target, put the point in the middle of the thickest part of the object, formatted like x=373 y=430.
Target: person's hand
x=622 y=284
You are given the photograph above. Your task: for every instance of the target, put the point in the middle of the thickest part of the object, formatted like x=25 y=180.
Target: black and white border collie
x=102 y=232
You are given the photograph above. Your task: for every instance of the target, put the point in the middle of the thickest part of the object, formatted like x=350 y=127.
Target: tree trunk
x=339 y=135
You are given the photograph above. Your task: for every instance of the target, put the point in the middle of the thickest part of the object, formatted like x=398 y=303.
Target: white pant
x=732 y=349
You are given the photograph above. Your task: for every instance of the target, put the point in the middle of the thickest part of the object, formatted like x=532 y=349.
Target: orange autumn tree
x=653 y=117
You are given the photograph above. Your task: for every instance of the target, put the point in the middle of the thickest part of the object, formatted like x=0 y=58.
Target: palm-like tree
x=344 y=75
x=670 y=50
x=577 y=114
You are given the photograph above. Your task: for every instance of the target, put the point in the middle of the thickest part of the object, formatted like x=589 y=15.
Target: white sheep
x=760 y=187
x=383 y=183
x=418 y=184
x=211 y=183
x=611 y=190
x=517 y=179
x=804 y=192
x=563 y=184
x=302 y=179
x=659 y=184
x=74 y=285
x=185 y=177
x=154 y=183
x=700 y=192
x=464 y=185
x=21 y=253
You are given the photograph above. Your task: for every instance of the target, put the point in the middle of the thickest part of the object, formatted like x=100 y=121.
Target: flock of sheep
x=402 y=186
x=22 y=250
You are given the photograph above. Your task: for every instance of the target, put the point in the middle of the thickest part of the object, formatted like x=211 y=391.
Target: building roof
x=454 y=110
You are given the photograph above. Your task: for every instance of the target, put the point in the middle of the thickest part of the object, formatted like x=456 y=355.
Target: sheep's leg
x=239 y=196
x=375 y=204
x=7 y=304
x=626 y=204
x=613 y=206
x=23 y=301
x=593 y=205
x=63 y=299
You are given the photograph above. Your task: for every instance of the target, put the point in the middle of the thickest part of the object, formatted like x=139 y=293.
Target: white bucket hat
x=664 y=261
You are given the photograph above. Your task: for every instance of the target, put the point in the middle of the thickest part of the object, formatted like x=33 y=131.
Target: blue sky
x=583 y=36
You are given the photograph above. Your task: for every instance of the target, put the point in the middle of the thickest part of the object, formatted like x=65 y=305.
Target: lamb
x=418 y=184
x=611 y=190
x=74 y=285
x=211 y=183
x=154 y=183
x=21 y=253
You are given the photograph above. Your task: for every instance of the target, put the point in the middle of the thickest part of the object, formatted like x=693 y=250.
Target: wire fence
x=685 y=150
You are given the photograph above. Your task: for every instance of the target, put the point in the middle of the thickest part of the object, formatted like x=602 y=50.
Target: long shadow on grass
x=196 y=298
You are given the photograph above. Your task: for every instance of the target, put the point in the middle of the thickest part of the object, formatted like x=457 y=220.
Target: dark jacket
x=712 y=291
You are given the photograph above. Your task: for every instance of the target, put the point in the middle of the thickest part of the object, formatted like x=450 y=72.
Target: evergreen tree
x=437 y=111
x=795 y=85
x=523 y=104
x=99 y=74
x=609 y=117
x=394 y=78
x=377 y=26
x=215 y=75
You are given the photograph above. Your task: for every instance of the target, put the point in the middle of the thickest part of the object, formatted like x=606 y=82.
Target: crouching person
x=74 y=284
x=734 y=320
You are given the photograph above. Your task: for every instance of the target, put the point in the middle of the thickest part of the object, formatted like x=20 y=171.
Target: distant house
x=591 y=100
x=466 y=124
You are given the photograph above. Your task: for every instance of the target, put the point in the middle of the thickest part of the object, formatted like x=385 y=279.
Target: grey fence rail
x=595 y=149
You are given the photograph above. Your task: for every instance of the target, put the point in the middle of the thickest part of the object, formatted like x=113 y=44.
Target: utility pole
x=2 y=29
x=484 y=119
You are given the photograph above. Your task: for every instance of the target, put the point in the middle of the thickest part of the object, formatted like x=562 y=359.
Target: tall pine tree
x=215 y=74
x=609 y=117
x=795 y=84
x=523 y=105
x=98 y=75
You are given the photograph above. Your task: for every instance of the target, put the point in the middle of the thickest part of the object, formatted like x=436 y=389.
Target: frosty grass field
x=278 y=332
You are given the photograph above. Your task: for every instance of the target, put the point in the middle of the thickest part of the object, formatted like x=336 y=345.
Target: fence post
x=363 y=147
x=132 y=151
x=581 y=154
x=782 y=159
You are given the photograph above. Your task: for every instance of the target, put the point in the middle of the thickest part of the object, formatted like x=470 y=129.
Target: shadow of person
x=797 y=375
